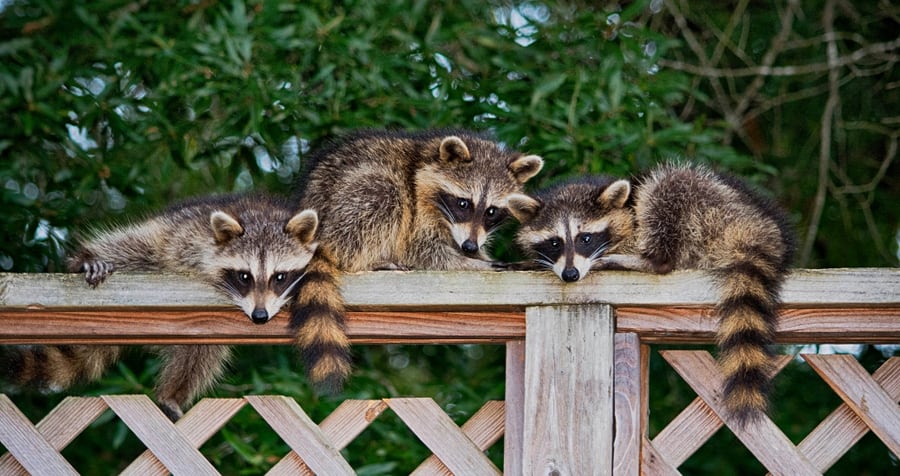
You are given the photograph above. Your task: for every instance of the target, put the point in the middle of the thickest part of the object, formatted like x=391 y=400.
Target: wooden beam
x=420 y=291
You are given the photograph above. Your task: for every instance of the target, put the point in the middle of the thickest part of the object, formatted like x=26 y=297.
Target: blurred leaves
x=116 y=107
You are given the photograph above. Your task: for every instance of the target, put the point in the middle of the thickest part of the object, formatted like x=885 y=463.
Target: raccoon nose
x=469 y=246
x=259 y=316
x=570 y=275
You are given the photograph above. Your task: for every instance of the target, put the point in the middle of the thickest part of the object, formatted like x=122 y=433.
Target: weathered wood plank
x=200 y=423
x=696 y=424
x=762 y=437
x=862 y=394
x=654 y=325
x=28 y=446
x=160 y=435
x=627 y=401
x=295 y=427
x=680 y=324
x=484 y=428
x=438 y=432
x=341 y=427
x=59 y=427
x=457 y=291
x=568 y=390
x=843 y=428
x=514 y=407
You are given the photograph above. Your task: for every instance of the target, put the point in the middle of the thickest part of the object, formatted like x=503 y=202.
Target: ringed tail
x=748 y=313
x=317 y=319
x=55 y=367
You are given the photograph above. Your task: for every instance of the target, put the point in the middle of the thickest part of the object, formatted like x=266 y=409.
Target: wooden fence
x=576 y=376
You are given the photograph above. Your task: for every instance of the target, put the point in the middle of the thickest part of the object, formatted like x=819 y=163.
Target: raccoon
x=397 y=200
x=252 y=248
x=680 y=216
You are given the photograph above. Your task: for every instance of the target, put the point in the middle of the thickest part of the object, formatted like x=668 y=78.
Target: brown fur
x=687 y=217
x=391 y=200
x=215 y=238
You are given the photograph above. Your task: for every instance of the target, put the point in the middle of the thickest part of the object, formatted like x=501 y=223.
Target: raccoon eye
x=586 y=238
x=462 y=203
x=280 y=277
x=490 y=212
x=244 y=276
x=555 y=243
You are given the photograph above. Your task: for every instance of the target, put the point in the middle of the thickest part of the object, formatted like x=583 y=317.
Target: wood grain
x=295 y=427
x=862 y=394
x=843 y=428
x=198 y=425
x=159 y=434
x=568 y=390
x=515 y=408
x=484 y=429
x=770 y=446
x=456 y=291
x=438 y=432
x=26 y=443
x=627 y=401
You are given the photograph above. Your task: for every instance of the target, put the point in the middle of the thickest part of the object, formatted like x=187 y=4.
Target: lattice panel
x=870 y=404
x=315 y=449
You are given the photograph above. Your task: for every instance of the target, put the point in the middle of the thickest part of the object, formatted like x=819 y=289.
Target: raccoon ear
x=303 y=226
x=526 y=166
x=523 y=207
x=224 y=226
x=453 y=148
x=616 y=194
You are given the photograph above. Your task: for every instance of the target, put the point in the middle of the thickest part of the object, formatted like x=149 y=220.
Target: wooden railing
x=576 y=376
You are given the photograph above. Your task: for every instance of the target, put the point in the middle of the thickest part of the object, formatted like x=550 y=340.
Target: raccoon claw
x=95 y=272
x=390 y=267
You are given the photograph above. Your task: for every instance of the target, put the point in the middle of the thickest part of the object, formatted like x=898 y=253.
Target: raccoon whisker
x=599 y=252
x=445 y=209
x=291 y=287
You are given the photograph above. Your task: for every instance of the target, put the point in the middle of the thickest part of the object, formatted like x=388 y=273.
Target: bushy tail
x=748 y=314
x=317 y=318
x=49 y=368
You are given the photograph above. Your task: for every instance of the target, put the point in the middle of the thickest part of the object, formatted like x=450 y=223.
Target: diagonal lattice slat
x=837 y=433
x=35 y=450
x=694 y=426
x=341 y=427
x=295 y=427
x=862 y=394
x=197 y=425
x=159 y=434
x=762 y=437
x=438 y=432
x=484 y=429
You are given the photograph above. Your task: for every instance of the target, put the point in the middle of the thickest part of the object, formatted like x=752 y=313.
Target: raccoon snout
x=469 y=247
x=570 y=275
x=259 y=316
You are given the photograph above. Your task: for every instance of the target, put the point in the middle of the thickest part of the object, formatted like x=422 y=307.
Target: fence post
x=568 y=427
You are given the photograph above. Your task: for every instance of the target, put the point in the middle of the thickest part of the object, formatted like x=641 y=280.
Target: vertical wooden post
x=568 y=390
x=629 y=405
x=515 y=408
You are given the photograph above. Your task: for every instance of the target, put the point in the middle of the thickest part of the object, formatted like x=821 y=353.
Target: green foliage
x=114 y=108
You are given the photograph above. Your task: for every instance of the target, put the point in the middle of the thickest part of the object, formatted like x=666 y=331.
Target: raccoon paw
x=96 y=271
x=387 y=266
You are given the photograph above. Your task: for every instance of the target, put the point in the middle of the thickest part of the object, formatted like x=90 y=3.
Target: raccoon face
x=263 y=263
x=469 y=188
x=570 y=228
x=471 y=220
x=570 y=248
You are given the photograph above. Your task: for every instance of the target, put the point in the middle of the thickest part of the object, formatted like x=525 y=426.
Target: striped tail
x=748 y=314
x=54 y=368
x=317 y=319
